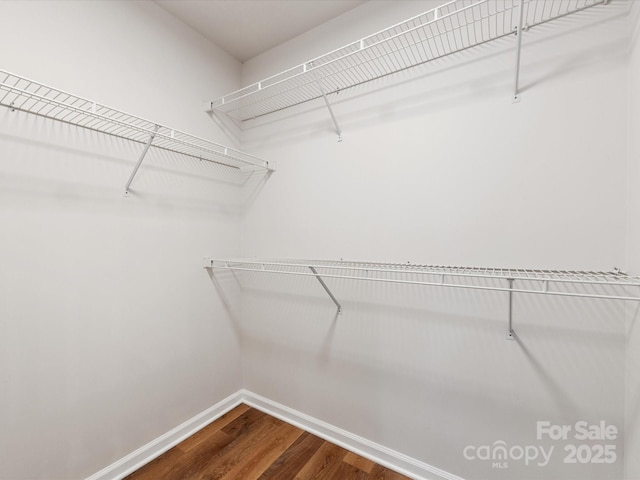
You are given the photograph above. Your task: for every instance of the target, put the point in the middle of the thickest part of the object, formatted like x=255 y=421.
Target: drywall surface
x=437 y=166
x=632 y=442
x=340 y=31
x=111 y=332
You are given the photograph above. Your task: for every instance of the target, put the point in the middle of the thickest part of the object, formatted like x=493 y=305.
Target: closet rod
x=450 y=277
x=453 y=27
x=615 y=278
x=22 y=94
x=443 y=282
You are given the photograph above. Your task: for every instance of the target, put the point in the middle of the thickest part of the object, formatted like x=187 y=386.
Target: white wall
x=111 y=333
x=444 y=169
x=632 y=441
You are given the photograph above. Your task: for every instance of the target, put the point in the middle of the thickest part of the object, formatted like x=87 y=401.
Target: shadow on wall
x=357 y=384
x=427 y=370
x=252 y=186
x=452 y=311
x=232 y=130
x=228 y=288
x=88 y=170
x=494 y=78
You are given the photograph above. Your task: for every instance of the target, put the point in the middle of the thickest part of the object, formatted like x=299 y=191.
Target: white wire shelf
x=21 y=94
x=613 y=285
x=455 y=26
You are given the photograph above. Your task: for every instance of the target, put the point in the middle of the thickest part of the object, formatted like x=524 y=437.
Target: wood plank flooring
x=246 y=444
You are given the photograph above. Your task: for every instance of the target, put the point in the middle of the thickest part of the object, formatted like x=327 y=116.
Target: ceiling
x=247 y=28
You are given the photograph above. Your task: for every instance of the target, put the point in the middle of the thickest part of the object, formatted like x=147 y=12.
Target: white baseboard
x=384 y=456
x=379 y=454
x=126 y=465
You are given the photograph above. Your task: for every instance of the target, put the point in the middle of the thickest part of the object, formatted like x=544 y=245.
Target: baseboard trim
x=143 y=455
x=384 y=456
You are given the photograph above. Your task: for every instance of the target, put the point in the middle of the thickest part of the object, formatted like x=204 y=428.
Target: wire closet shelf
x=614 y=285
x=21 y=94
x=450 y=28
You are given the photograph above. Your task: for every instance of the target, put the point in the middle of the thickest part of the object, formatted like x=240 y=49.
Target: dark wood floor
x=246 y=444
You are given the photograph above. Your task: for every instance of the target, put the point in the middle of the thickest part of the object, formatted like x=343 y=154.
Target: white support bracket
x=324 y=285
x=144 y=152
x=518 y=32
x=510 y=332
x=326 y=102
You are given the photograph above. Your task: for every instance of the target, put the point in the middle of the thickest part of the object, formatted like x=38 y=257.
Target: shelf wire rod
x=138 y=139
x=410 y=47
x=98 y=123
x=333 y=117
x=368 y=66
x=47 y=108
x=493 y=23
x=391 y=46
x=86 y=122
x=6 y=76
x=438 y=45
x=448 y=34
x=476 y=20
x=421 y=39
x=393 y=55
x=498 y=273
x=71 y=115
x=266 y=111
x=75 y=110
x=516 y=85
x=381 y=53
x=427 y=41
x=438 y=34
x=324 y=285
x=52 y=94
x=53 y=104
x=349 y=75
x=437 y=284
x=27 y=99
x=129 y=138
x=464 y=25
x=466 y=31
x=407 y=50
x=453 y=30
x=510 y=333
x=487 y=25
x=415 y=35
x=239 y=95
x=144 y=153
x=8 y=89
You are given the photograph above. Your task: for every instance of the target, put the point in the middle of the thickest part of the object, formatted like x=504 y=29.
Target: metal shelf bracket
x=324 y=285
x=448 y=29
x=20 y=94
x=518 y=32
x=510 y=332
x=326 y=102
x=142 y=155
x=614 y=285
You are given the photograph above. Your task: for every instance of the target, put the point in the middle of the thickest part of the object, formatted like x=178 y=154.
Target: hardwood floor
x=246 y=444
